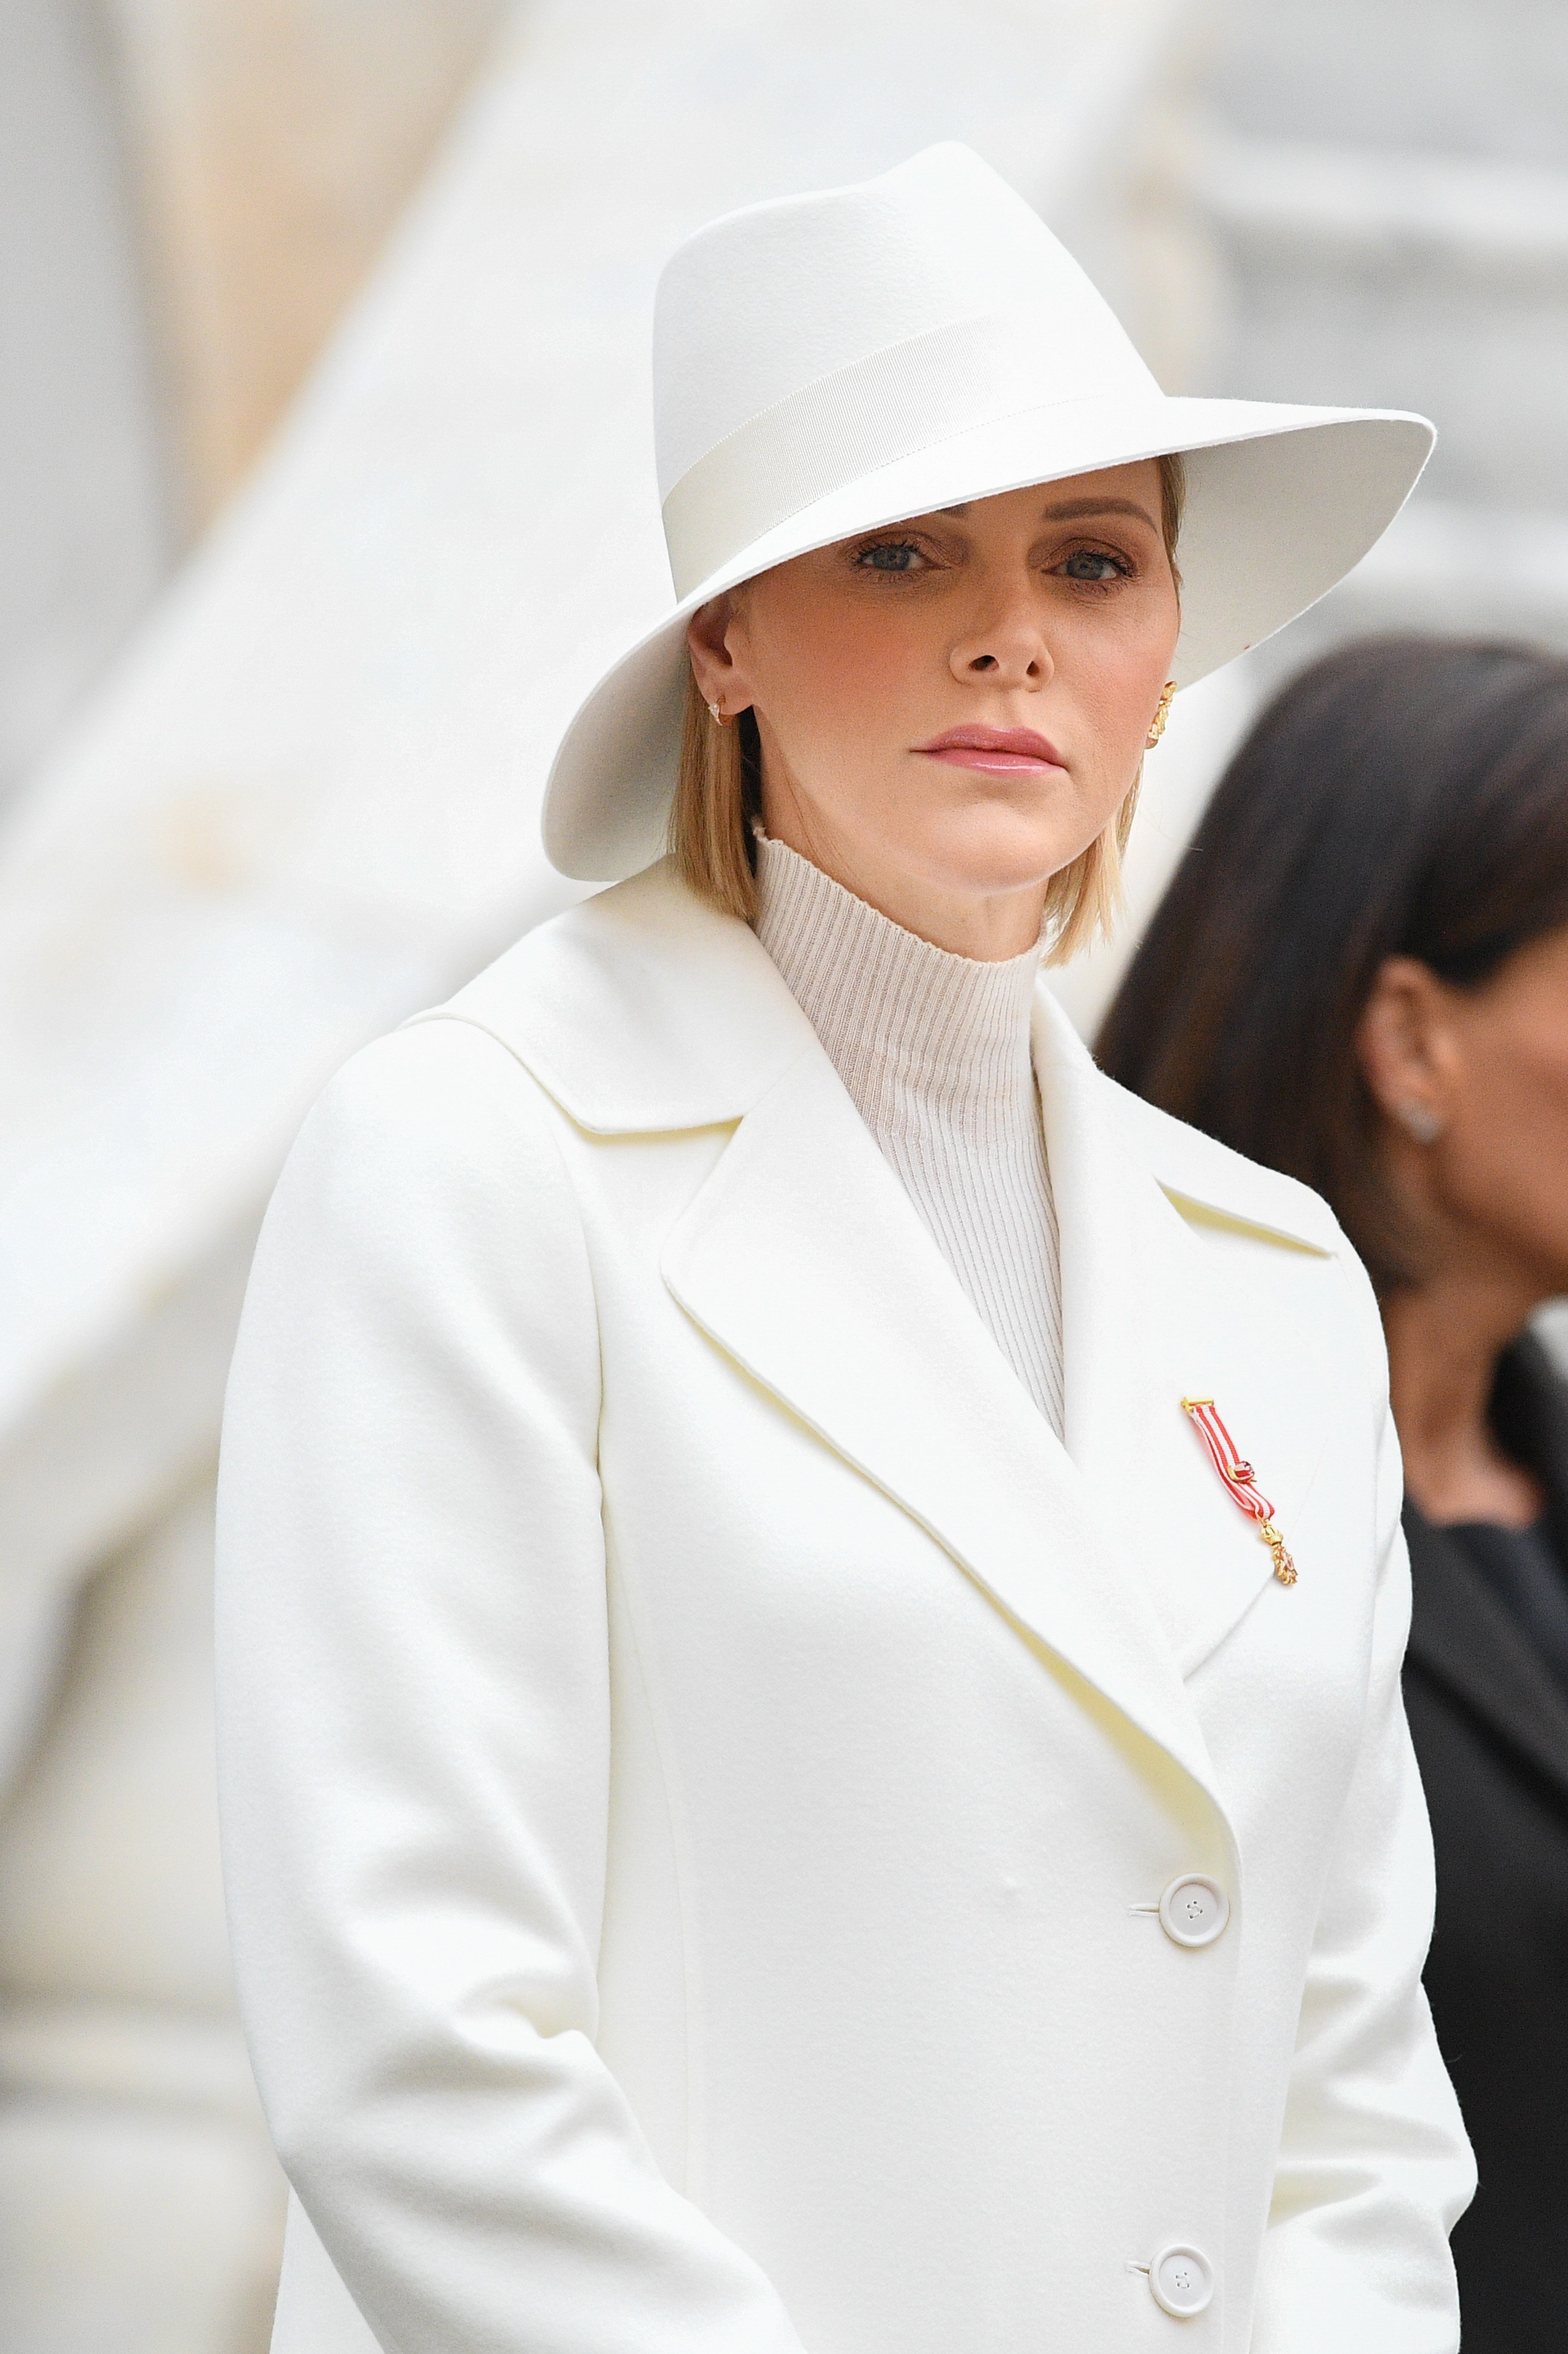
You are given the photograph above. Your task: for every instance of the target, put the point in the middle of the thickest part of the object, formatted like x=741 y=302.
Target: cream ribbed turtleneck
x=935 y=1051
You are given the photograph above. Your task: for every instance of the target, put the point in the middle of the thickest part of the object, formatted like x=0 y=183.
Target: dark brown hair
x=1404 y=797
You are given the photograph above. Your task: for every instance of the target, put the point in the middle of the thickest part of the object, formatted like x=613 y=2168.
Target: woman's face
x=1486 y=1070
x=950 y=710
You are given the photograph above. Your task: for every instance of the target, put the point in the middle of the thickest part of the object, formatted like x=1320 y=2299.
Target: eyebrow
x=1074 y=510
x=1077 y=509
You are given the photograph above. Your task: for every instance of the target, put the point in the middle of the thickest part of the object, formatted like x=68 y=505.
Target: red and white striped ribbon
x=1241 y=1481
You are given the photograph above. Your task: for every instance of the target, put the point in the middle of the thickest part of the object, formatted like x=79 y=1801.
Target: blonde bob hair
x=718 y=790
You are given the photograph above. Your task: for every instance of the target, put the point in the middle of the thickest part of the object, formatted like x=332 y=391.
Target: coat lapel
x=804 y=1259
x=1150 y=1315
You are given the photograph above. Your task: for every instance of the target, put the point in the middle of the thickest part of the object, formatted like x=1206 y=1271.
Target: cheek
x=1118 y=672
x=836 y=676
x=1510 y=1145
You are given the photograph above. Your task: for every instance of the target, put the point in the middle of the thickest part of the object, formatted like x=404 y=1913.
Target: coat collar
x=803 y=1259
x=642 y=1009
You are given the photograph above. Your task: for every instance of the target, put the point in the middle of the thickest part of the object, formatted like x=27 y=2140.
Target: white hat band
x=894 y=402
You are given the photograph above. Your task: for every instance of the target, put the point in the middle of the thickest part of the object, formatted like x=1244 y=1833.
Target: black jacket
x=1490 y=1724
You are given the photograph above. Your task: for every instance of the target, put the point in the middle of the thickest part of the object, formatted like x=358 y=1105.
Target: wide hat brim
x=1282 y=502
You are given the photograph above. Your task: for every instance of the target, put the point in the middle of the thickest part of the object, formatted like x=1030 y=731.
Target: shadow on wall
x=191 y=191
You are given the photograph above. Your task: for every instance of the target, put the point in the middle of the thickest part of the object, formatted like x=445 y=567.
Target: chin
x=998 y=848
x=990 y=882
x=991 y=870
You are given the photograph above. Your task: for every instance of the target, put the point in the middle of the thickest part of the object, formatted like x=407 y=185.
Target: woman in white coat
x=776 y=1799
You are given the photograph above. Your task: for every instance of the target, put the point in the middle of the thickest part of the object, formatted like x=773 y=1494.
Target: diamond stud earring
x=715 y=714
x=1420 y=1120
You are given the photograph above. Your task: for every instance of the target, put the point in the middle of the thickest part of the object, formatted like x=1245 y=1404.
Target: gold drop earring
x=1161 y=714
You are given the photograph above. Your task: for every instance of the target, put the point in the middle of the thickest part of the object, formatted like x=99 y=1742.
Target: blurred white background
x=324 y=485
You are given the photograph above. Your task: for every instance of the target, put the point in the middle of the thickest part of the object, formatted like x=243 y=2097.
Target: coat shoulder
x=641 y=1010
x=428 y=1143
x=427 y=1202
x=433 y=1094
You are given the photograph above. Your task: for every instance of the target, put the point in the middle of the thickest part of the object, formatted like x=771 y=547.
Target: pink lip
x=996 y=751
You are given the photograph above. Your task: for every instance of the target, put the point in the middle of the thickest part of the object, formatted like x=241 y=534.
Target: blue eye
x=1091 y=564
x=891 y=556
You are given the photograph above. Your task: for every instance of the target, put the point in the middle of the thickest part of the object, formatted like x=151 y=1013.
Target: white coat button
x=1183 y=2280
x=1194 y=1910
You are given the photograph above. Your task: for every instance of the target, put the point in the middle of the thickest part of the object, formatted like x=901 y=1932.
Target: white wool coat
x=701 y=1760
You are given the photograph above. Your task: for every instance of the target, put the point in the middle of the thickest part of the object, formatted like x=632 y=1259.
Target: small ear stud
x=716 y=716
x=1422 y=1122
x=1161 y=714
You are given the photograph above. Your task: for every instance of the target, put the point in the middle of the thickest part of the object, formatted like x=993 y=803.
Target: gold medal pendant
x=1241 y=1485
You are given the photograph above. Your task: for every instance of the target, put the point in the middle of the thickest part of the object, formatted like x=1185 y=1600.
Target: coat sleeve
x=1375 y=2167
x=414 y=1732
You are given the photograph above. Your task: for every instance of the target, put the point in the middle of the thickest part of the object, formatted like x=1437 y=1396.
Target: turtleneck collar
x=916 y=1032
x=934 y=1051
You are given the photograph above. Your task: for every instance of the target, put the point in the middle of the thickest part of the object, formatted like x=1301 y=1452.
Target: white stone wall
x=190 y=192
x=1460 y=77
x=86 y=527
x=140 y=2205
x=272 y=143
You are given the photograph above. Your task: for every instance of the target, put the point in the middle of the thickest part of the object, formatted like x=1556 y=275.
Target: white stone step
x=1431 y=282
x=1449 y=568
x=1456 y=77
x=1382 y=207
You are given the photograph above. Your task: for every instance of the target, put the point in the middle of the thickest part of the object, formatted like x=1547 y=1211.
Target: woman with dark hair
x=1360 y=976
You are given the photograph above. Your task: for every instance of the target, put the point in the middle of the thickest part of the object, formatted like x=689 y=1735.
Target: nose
x=1008 y=650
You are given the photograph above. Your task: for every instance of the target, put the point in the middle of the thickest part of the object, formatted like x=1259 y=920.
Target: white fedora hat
x=829 y=364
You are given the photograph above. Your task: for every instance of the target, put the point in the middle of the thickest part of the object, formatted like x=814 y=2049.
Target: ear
x=714 y=663
x=1405 y=1041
